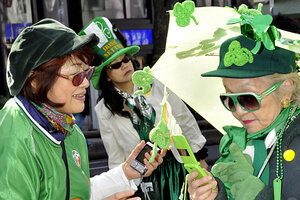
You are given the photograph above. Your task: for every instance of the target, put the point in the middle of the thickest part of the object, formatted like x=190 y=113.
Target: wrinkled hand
x=198 y=191
x=122 y=196
x=245 y=186
x=132 y=173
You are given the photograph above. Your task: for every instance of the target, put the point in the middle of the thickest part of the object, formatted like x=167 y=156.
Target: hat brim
x=235 y=73
x=132 y=50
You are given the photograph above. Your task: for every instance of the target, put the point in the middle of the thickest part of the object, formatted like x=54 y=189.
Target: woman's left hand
x=132 y=173
x=199 y=191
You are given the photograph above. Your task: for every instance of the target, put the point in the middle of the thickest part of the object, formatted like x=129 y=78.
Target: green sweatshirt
x=31 y=160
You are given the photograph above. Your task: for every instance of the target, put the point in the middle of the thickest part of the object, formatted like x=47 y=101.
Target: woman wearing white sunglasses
x=261 y=159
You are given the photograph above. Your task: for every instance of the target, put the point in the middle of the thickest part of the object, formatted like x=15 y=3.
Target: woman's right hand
x=123 y=195
x=198 y=191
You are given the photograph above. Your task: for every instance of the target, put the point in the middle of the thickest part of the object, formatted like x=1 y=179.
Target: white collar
x=270 y=139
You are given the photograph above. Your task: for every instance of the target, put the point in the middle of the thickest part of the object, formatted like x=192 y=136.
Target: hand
x=203 y=164
x=199 y=191
x=123 y=195
x=132 y=173
x=234 y=171
x=240 y=173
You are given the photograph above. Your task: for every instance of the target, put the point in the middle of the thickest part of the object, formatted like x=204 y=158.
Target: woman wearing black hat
x=43 y=153
x=261 y=159
x=125 y=119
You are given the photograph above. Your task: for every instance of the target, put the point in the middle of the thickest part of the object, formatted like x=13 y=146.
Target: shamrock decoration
x=183 y=12
x=256 y=26
x=160 y=135
x=237 y=55
x=142 y=79
x=243 y=9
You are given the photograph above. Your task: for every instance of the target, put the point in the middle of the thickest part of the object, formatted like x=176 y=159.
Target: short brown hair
x=46 y=75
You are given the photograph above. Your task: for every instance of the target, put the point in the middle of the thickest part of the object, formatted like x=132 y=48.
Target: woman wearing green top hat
x=43 y=153
x=260 y=160
x=125 y=119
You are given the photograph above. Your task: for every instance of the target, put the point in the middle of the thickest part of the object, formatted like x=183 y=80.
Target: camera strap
x=145 y=186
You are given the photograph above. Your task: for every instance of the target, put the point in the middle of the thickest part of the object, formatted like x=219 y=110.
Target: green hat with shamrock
x=237 y=60
x=109 y=47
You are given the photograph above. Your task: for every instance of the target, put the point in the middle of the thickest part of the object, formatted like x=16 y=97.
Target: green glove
x=244 y=186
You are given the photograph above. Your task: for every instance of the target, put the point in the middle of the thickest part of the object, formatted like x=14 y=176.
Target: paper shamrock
x=183 y=12
x=142 y=79
x=160 y=135
x=237 y=55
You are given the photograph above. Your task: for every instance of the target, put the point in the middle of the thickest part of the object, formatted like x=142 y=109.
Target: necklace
x=279 y=166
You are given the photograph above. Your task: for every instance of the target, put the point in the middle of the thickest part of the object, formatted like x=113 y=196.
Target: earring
x=285 y=103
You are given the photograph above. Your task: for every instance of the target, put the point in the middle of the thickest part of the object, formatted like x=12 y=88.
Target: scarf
x=60 y=122
x=240 y=136
x=143 y=114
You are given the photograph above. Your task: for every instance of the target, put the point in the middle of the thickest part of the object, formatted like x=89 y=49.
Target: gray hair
x=285 y=89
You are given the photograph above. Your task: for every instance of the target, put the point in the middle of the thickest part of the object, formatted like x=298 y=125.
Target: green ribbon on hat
x=183 y=13
x=257 y=27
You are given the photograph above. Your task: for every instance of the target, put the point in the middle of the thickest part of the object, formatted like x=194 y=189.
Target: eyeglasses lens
x=249 y=102
x=117 y=65
x=228 y=103
x=78 y=78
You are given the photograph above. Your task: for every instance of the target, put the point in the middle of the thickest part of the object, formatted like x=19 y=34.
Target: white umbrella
x=193 y=50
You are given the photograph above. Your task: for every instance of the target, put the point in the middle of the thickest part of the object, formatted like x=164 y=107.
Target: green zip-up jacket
x=34 y=165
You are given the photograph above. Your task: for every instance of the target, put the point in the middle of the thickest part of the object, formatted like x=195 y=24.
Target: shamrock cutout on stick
x=183 y=12
x=160 y=135
x=142 y=79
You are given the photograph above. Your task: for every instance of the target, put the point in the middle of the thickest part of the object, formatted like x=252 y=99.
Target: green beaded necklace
x=279 y=166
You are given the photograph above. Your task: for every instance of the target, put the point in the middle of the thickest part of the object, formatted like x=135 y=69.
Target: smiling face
x=270 y=105
x=122 y=76
x=63 y=91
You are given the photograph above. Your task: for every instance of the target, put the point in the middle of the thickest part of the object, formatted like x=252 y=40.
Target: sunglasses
x=249 y=101
x=117 y=65
x=78 y=78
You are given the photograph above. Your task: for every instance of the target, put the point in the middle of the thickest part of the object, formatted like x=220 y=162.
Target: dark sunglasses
x=117 y=65
x=249 y=101
x=78 y=78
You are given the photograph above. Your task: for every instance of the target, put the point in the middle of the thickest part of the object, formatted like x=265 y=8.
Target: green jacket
x=32 y=162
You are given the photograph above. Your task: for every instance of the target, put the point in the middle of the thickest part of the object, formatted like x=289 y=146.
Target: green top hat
x=109 y=47
x=237 y=60
x=38 y=44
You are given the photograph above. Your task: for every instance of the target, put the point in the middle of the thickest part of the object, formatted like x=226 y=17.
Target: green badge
x=237 y=55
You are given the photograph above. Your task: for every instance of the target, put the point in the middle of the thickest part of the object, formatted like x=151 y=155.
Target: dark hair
x=46 y=75
x=112 y=99
x=120 y=36
x=286 y=23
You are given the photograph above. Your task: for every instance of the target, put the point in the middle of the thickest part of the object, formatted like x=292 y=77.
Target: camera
x=138 y=163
